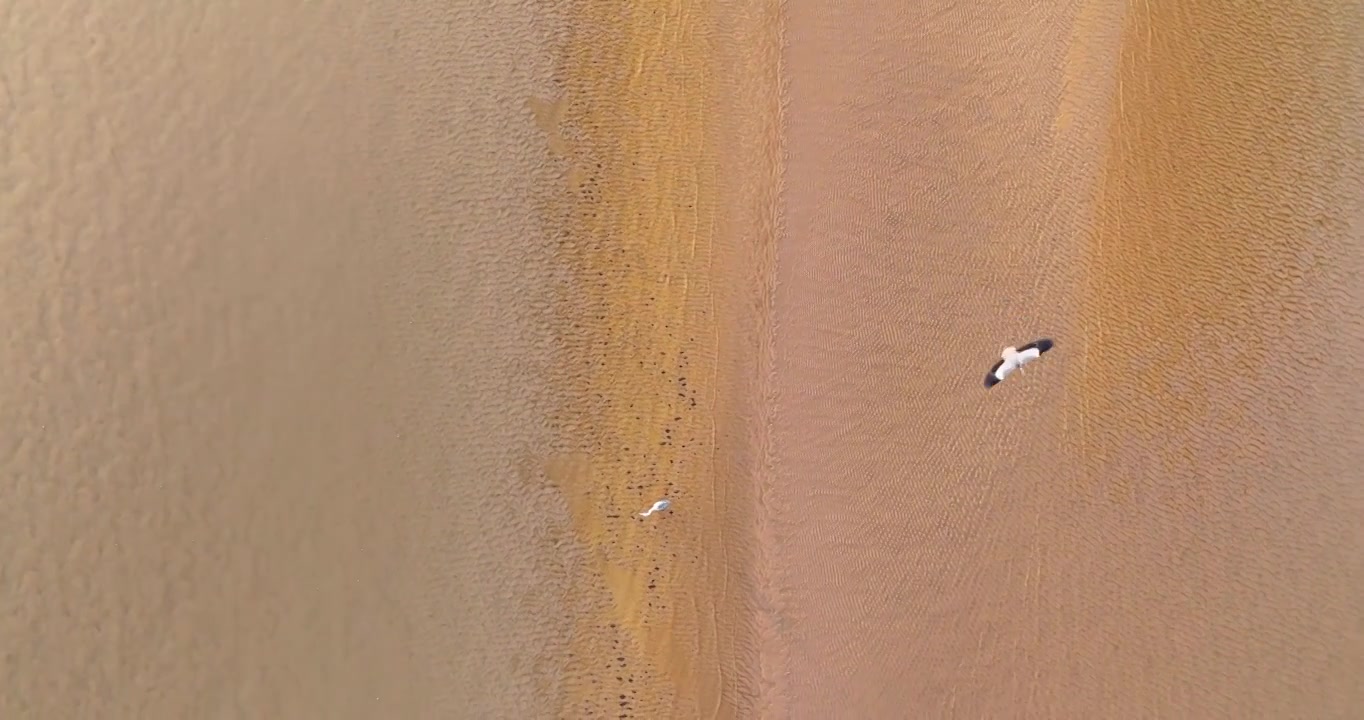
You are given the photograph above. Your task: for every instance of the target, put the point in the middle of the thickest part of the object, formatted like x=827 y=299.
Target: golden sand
x=1218 y=315
x=639 y=128
x=1226 y=194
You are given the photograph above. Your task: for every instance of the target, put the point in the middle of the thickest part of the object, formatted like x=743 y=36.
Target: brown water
x=269 y=333
x=346 y=344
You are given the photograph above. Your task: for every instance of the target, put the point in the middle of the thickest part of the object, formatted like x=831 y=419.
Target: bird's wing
x=1040 y=346
x=997 y=373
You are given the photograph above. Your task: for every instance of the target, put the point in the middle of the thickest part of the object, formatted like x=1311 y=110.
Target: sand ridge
x=648 y=384
x=1223 y=236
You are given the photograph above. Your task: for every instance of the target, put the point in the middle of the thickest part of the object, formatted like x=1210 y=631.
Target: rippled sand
x=347 y=343
x=1158 y=521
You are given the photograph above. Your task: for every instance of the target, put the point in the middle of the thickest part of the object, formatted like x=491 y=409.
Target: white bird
x=659 y=506
x=1015 y=358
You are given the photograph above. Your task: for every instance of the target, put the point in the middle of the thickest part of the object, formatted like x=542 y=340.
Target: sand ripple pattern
x=1161 y=520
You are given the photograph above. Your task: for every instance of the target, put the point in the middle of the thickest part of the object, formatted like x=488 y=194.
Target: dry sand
x=346 y=343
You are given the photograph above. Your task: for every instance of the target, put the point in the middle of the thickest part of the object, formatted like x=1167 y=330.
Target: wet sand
x=929 y=224
x=664 y=220
x=1160 y=521
x=347 y=343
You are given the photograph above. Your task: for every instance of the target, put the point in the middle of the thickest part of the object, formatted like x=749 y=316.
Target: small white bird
x=659 y=506
x=1015 y=358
